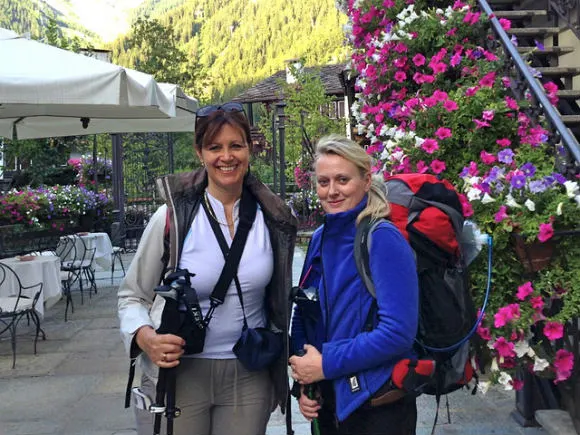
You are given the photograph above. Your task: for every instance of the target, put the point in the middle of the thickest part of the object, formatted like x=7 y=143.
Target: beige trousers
x=216 y=397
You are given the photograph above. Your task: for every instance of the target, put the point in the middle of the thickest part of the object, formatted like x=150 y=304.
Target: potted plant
x=434 y=96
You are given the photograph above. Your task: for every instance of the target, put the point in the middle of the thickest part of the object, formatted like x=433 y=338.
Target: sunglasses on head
x=227 y=107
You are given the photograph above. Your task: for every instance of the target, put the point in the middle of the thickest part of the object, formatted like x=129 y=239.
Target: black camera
x=182 y=314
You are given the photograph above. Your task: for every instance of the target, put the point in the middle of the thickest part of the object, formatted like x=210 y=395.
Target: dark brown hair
x=207 y=128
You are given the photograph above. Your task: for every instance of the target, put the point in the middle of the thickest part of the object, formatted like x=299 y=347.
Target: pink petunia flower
x=488 y=80
x=488 y=115
x=553 y=330
x=428 y=78
x=546 y=232
x=400 y=76
x=504 y=348
x=440 y=95
x=517 y=384
x=505 y=142
x=438 y=166
x=430 y=145
x=438 y=67
x=470 y=92
x=481 y=124
x=443 y=133
x=422 y=167
x=524 y=291
x=450 y=105
x=501 y=214
x=419 y=59
x=537 y=303
x=563 y=364
x=484 y=333
x=505 y=23
x=487 y=158
x=466 y=207
x=511 y=103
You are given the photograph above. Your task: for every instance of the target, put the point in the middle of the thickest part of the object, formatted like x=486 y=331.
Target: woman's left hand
x=307 y=369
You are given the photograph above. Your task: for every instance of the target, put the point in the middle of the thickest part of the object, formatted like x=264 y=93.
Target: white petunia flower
x=494 y=367
x=506 y=380
x=483 y=387
x=559 y=209
x=531 y=205
x=511 y=202
x=521 y=348
x=540 y=364
x=571 y=188
x=474 y=194
x=487 y=199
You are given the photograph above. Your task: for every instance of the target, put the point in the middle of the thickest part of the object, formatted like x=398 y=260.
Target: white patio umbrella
x=46 y=92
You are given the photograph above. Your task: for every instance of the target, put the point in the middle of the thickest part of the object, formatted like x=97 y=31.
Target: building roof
x=270 y=90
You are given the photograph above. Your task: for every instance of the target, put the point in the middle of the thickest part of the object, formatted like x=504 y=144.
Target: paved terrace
x=76 y=383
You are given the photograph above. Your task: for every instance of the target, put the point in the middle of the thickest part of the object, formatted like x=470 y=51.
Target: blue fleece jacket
x=357 y=362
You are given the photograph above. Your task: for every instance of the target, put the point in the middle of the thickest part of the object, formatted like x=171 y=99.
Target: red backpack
x=428 y=213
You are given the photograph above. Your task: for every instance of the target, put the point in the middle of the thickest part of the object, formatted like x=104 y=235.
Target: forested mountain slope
x=238 y=42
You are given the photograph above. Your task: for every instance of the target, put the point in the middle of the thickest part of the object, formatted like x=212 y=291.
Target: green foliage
x=236 y=43
x=32 y=16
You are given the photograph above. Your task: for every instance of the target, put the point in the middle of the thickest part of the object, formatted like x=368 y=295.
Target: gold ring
x=164 y=357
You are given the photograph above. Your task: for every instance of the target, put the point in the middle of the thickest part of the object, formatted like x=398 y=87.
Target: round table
x=42 y=268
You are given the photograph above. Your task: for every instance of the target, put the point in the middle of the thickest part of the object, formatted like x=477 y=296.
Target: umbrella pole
x=95 y=176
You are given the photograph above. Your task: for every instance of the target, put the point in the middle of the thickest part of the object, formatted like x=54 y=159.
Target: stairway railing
x=569 y=11
x=559 y=131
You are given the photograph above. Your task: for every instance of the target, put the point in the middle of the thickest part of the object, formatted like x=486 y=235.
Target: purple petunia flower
x=495 y=173
x=537 y=186
x=518 y=181
x=528 y=169
x=506 y=156
x=559 y=178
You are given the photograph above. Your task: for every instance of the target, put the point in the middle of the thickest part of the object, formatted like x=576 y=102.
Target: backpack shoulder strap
x=362 y=248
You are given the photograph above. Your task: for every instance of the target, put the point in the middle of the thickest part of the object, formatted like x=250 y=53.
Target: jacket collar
x=343 y=219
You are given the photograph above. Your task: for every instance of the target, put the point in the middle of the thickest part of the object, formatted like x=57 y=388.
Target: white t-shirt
x=202 y=256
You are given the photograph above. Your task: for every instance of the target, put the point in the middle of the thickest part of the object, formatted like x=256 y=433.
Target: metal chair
x=14 y=308
x=118 y=239
x=70 y=269
x=86 y=264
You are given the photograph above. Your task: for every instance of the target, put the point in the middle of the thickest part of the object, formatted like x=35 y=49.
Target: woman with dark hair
x=353 y=361
x=215 y=392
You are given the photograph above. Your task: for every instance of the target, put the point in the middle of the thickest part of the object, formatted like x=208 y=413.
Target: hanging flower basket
x=534 y=256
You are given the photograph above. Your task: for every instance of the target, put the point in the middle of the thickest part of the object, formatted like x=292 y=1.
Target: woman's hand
x=307 y=369
x=163 y=349
x=308 y=407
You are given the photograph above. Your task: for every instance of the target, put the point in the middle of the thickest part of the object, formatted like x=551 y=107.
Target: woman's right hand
x=308 y=407
x=163 y=349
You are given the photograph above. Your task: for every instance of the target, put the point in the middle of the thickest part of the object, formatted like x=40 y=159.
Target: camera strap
x=233 y=254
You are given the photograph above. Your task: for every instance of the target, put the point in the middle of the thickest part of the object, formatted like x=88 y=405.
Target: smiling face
x=339 y=183
x=226 y=158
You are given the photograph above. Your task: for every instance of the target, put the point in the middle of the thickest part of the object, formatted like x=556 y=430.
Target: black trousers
x=398 y=418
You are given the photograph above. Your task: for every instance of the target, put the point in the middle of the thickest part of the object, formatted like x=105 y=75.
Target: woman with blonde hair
x=361 y=338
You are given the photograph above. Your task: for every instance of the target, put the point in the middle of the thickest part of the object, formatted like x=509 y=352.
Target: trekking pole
x=309 y=390
x=158 y=408
x=171 y=411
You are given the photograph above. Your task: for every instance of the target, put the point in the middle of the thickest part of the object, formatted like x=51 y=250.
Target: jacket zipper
x=326 y=308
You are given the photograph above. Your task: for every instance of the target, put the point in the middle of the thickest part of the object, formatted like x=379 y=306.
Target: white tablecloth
x=102 y=243
x=45 y=269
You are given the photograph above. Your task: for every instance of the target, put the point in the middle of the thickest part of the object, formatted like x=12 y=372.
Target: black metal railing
x=569 y=12
x=526 y=80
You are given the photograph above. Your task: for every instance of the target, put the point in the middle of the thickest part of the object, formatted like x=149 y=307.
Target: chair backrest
x=7 y=278
x=83 y=244
x=118 y=235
